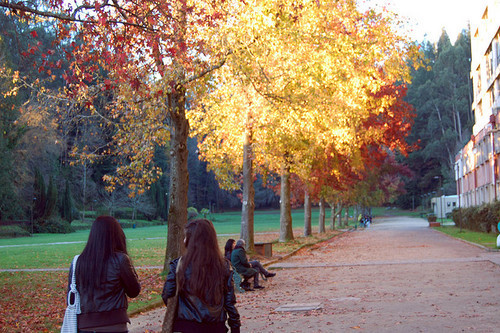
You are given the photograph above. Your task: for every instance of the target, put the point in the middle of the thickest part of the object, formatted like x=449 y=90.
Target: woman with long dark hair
x=205 y=285
x=104 y=278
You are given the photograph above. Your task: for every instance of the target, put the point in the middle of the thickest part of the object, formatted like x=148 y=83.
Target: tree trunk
x=307 y=215
x=179 y=131
x=346 y=221
x=179 y=177
x=84 y=190
x=248 y=205
x=332 y=217
x=321 y=221
x=340 y=214
x=286 y=231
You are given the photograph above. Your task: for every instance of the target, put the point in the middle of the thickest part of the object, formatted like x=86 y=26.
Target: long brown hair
x=106 y=237
x=209 y=270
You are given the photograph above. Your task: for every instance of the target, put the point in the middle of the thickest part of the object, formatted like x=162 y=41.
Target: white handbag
x=70 y=324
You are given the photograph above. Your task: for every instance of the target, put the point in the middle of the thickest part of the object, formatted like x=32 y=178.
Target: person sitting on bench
x=228 y=249
x=245 y=268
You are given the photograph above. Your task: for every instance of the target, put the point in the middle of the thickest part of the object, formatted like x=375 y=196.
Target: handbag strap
x=73 y=277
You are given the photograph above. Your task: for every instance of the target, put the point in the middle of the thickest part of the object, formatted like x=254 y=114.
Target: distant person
x=242 y=266
x=228 y=250
x=104 y=278
x=206 y=291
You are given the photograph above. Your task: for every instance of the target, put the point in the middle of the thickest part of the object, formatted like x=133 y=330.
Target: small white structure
x=443 y=205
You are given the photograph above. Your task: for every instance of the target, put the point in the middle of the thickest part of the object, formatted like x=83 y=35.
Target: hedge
x=483 y=218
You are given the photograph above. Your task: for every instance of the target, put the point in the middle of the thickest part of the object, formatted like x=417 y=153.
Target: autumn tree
x=318 y=65
x=149 y=54
x=329 y=91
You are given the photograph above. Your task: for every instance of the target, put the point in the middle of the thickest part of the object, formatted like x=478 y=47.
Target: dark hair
x=228 y=248
x=209 y=270
x=106 y=237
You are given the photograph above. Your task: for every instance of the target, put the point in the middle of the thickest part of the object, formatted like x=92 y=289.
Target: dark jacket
x=227 y=254
x=240 y=262
x=109 y=304
x=194 y=311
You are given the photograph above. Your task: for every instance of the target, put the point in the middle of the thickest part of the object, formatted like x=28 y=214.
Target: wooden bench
x=265 y=249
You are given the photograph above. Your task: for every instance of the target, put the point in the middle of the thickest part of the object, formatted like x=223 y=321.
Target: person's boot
x=258 y=287
x=246 y=286
x=269 y=274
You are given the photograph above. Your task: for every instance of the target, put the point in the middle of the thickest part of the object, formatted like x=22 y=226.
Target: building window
x=497 y=49
x=489 y=64
x=478 y=83
x=454 y=204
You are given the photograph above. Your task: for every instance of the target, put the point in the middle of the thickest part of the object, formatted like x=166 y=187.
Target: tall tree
x=149 y=53
x=440 y=93
x=305 y=60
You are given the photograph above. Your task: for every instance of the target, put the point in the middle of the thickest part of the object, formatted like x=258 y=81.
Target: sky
x=428 y=17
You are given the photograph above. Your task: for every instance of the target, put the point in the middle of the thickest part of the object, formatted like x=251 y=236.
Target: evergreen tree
x=40 y=196
x=51 y=198
x=67 y=207
x=440 y=94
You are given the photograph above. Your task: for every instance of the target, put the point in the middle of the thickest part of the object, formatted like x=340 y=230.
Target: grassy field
x=146 y=245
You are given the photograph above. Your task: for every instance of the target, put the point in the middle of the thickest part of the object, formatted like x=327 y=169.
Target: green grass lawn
x=146 y=245
x=485 y=239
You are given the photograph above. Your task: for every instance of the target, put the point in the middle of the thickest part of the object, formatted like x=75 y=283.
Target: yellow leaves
x=15 y=77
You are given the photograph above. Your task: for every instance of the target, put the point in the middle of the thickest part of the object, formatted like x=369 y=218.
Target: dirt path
x=397 y=276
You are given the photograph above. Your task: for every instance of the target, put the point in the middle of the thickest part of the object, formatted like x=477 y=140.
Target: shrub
x=205 y=212
x=9 y=231
x=456 y=216
x=486 y=217
x=123 y=213
x=482 y=219
x=53 y=225
x=431 y=218
x=139 y=223
x=469 y=218
x=192 y=213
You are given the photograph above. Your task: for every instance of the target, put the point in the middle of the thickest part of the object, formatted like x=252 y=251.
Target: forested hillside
x=441 y=94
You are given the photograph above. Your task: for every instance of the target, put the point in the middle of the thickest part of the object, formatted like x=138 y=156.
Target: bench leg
x=237 y=283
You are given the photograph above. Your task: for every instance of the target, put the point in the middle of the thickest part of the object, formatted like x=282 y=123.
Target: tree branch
x=208 y=70
x=21 y=7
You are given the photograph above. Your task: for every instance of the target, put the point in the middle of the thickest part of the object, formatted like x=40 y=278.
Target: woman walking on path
x=205 y=284
x=104 y=278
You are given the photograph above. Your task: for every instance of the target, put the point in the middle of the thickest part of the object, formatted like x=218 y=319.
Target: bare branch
x=208 y=70
x=21 y=7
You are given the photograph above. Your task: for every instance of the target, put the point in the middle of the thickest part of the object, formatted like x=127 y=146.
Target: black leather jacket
x=109 y=304
x=191 y=308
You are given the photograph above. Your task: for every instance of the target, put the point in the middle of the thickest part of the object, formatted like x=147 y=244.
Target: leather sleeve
x=170 y=284
x=129 y=277
x=230 y=307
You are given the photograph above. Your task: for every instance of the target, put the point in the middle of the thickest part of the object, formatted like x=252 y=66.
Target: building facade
x=443 y=206
x=477 y=163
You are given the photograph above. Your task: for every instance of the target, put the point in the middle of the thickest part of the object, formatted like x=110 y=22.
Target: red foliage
x=340 y=172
